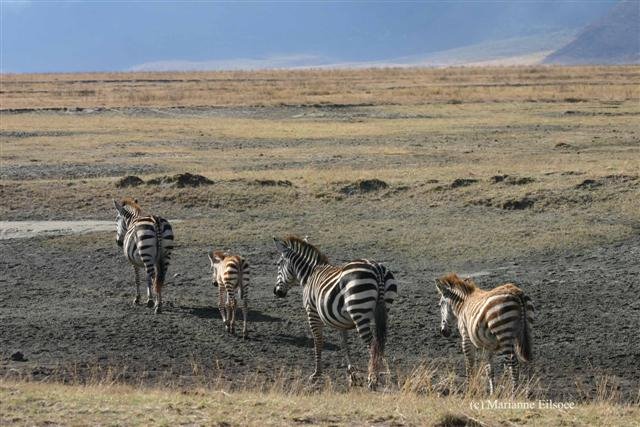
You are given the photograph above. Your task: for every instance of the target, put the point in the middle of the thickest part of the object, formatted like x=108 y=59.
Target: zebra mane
x=131 y=205
x=457 y=284
x=295 y=242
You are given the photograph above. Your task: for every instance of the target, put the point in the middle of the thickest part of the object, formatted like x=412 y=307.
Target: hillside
x=514 y=51
x=614 y=39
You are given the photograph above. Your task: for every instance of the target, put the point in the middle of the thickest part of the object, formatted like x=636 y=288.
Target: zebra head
x=125 y=211
x=286 y=274
x=121 y=223
x=216 y=257
x=447 y=315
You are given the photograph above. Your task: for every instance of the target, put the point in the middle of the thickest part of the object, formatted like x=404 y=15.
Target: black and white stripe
x=147 y=241
x=356 y=295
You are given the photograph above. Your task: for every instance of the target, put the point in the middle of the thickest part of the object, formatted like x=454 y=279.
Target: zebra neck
x=457 y=307
x=458 y=300
x=130 y=213
x=304 y=267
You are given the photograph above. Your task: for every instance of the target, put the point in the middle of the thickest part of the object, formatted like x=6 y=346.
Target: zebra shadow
x=210 y=312
x=301 y=341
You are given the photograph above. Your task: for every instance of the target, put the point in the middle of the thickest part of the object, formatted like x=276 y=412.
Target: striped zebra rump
x=507 y=315
x=524 y=343
x=346 y=297
x=147 y=241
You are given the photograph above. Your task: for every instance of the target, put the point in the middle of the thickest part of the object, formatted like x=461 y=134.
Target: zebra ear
x=219 y=256
x=306 y=239
x=280 y=245
x=117 y=205
x=439 y=285
x=210 y=259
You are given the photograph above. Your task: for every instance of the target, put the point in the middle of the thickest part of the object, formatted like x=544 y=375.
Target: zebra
x=497 y=321
x=147 y=241
x=230 y=273
x=356 y=295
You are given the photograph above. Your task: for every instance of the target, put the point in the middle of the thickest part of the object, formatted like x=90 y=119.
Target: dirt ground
x=544 y=193
x=68 y=308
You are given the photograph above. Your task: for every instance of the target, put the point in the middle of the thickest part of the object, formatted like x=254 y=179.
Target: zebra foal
x=496 y=321
x=147 y=242
x=230 y=273
x=356 y=295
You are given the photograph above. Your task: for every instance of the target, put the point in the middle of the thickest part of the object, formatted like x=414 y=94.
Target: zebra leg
x=354 y=380
x=511 y=362
x=489 y=371
x=150 y=272
x=467 y=350
x=232 y=311
x=158 y=306
x=221 y=305
x=136 y=271
x=245 y=310
x=316 y=329
x=161 y=271
x=363 y=326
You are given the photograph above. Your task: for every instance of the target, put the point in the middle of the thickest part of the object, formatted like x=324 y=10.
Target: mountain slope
x=614 y=39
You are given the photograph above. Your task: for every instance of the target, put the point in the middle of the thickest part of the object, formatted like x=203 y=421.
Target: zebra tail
x=524 y=345
x=158 y=280
x=380 y=336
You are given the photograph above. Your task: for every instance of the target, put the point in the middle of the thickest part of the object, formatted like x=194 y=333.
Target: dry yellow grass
x=412 y=86
x=543 y=134
x=428 y=395
x=39 y=404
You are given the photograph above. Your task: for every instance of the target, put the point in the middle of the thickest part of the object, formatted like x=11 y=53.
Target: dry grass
x=419 y=150
x=412 y=86
x=419 y=399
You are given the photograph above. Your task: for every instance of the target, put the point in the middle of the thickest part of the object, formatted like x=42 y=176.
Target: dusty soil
x=66 y=305
x=29 y=229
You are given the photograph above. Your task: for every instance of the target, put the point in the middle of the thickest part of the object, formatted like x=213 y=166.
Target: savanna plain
x=528 y=175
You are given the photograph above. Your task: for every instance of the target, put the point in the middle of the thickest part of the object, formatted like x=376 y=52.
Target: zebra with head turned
x=497 y=321
x=355 y=295
x=147 y=241
x=230 y=274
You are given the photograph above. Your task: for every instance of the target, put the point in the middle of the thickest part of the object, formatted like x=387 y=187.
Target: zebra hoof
x=157 y=310
x=136 y=300
x=150 y=303
x=314 y=377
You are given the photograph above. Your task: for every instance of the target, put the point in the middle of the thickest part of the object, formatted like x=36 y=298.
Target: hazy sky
x=39 y=36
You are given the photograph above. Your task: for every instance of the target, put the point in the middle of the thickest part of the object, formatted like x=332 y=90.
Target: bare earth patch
x=29 y=229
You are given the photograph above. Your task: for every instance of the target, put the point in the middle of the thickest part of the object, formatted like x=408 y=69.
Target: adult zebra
x=498 y=320
x=147 y=241
x=356 y=295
